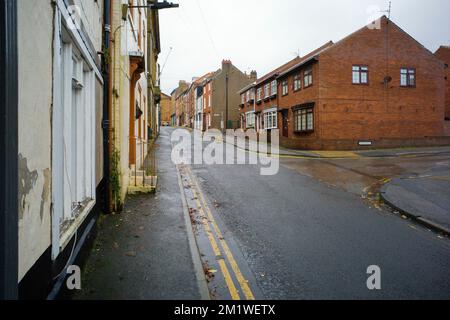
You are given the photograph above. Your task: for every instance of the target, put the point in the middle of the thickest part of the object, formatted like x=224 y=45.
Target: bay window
x=304 y=119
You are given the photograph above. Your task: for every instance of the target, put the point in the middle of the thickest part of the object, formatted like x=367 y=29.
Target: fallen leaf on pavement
x=131 y=254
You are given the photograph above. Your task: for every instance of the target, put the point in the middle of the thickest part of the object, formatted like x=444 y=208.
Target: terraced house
x=87 y=97
x=259 y=100
x=378 y=87
x=211 y=99
x=60 y=151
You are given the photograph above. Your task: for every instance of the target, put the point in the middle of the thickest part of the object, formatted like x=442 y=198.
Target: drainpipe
x=107 y=107
x=9 y=173
x=226 y=102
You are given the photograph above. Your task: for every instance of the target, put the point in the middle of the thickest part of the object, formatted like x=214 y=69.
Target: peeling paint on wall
x=27 y=180
x=45 y=191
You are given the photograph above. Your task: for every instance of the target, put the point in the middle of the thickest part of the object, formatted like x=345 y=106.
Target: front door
x=285 y=124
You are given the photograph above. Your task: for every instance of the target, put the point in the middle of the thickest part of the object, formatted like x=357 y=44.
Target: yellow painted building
x=134 y=77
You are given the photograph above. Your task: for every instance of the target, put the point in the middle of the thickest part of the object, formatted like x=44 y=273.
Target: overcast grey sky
x=263 y=34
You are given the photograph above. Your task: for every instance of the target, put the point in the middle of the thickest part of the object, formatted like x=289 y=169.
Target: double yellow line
x=208 y=218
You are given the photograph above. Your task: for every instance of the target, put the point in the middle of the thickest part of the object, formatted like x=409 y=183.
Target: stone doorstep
x=149 y=187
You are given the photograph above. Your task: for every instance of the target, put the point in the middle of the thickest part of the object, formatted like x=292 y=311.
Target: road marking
x=234 y=266
x=230 y=284
x=226 y=274
x=209 y=233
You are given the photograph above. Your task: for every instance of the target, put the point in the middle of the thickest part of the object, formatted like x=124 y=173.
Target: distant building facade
x=376 y=88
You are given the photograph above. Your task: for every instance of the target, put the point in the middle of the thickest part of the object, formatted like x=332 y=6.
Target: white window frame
x=273 y=88
x=250 y=120
x=259 y=94
x=73 y=130
x=285 y=87
x=271 y=119
x=308 y=77
x=360 y=74
x=297 y=82
x=267 y=90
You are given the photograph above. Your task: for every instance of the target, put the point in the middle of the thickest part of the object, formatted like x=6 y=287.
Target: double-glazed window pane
x=360 y=75
x=304 y=120
x=308 y=78
x=270 y=120
x=297 y=82
x=285 y=87
x=267 y=90
x=273 y=88
x=407 y=77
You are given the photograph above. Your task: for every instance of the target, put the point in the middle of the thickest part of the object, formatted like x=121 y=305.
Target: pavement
x=148 y=251
x=425 y=198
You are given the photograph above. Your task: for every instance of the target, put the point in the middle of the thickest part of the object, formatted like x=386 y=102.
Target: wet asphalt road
x=303 y=238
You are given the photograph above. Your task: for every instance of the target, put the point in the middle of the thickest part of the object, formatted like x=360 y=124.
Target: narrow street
x=306 y=239
x=295 y=235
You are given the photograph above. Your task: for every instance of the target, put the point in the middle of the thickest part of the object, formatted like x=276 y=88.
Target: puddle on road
x=362 y=175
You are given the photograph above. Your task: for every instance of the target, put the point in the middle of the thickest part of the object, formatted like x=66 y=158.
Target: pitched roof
x=247 y=87
x=278 y=70
x=309 y=57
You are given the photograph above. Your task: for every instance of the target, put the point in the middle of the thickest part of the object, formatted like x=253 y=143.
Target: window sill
x=67 y=234
x=304 y=132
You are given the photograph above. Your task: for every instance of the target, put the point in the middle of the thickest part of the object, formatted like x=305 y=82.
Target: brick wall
x=444 y=54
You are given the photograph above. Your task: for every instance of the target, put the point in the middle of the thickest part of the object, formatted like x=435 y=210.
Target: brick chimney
x=226 y=64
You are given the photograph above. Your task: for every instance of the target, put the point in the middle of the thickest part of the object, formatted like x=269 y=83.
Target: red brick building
x=443 y=53
x=376 y=88
x=259 y=100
